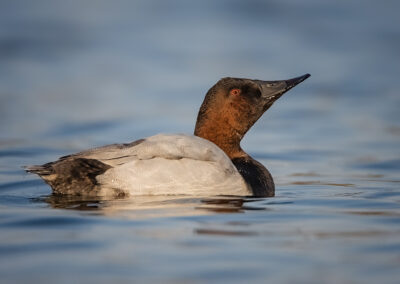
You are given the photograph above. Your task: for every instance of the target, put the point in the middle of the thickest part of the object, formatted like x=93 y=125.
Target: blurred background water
x=78 y=74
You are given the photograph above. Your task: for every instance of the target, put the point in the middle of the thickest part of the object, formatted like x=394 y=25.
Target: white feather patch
x=168 y=164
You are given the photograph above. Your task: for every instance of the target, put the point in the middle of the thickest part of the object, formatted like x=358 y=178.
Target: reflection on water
x=224 y=232
x=152 y=206
x=321 y=183
x=74 y=76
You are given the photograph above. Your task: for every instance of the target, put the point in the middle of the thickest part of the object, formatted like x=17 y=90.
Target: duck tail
x=41 y=170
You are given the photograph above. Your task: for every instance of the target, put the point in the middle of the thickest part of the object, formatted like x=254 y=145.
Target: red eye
x=235 y=92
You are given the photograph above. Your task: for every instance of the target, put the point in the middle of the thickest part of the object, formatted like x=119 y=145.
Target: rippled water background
x=78 y=74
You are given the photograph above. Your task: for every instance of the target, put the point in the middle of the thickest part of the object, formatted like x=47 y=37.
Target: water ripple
x=20 y=184
x=48 y=222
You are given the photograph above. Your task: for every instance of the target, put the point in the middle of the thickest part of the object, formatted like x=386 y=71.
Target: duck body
x=164 y=164
x=210 y=162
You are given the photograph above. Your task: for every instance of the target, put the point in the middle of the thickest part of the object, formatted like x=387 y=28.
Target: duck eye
x=234 y=92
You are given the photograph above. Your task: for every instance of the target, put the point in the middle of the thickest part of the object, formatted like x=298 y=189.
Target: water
x=82 y=74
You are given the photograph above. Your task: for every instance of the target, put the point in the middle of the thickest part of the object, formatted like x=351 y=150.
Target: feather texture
x=168 y=164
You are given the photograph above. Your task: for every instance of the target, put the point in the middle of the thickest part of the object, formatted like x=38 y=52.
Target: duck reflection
x=154 y=206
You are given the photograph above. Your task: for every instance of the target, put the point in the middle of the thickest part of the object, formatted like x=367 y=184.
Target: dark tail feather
x=41 y=170
x=71 y=176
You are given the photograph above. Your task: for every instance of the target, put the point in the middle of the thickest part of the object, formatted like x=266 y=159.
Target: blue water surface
x=79 y=74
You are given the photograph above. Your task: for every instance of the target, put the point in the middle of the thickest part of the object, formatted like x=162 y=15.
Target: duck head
x=233 y=105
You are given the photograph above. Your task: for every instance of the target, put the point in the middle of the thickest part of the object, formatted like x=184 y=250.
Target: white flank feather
x=168 y=164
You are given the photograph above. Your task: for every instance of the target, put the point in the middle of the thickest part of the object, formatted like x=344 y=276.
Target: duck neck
x=256 y=176
x=222 y=124
x=228 y=139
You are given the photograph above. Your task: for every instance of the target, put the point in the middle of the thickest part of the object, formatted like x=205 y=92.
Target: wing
x=167 y=146
x=161 y=164
x=174 y=164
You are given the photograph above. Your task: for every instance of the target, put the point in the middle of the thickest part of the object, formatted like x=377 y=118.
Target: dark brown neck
x=256 y=176
x=226 y=138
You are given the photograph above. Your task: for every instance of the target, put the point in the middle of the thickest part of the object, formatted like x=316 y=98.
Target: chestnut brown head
x=233 y=105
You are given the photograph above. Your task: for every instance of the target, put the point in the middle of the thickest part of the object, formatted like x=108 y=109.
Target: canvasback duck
x=209 y=163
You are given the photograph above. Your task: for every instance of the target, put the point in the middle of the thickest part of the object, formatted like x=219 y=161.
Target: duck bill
x=273 y=90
